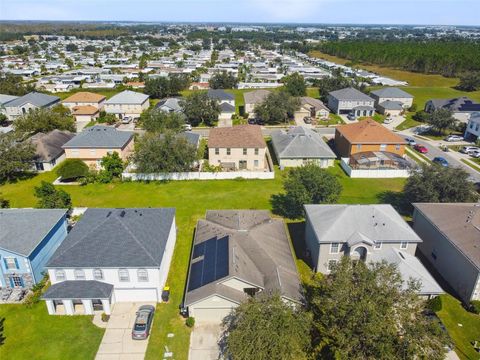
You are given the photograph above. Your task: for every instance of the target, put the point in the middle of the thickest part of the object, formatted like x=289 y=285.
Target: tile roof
x=49 y=146
x=240 y=136
x=127 y=97
x=78 y=289
x=84 y=96
x=350 y=94
x=369 y=132
x=100 y=137
x=85 y=110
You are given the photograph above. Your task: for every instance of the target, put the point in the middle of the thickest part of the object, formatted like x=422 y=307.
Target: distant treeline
x=449 y=58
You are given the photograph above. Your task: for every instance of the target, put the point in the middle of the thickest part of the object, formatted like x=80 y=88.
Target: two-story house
x=23 y=104
x=391 y=100
x=84 y=98
x=472 y=131
x=369 y=233
x=28 y=238
x=127 y=104
x=351 y=101
x=462 y=108
x=111 y=255
x=239 y=147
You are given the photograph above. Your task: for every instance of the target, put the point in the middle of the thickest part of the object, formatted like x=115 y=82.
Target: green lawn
x=30 y=333
x=452 y=314
x=408 y=123
x=108 y=93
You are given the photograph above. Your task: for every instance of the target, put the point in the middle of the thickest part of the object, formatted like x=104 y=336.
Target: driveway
x=117 y=343
x=204 y=342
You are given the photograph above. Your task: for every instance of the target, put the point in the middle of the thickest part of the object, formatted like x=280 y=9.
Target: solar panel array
x=213 y=265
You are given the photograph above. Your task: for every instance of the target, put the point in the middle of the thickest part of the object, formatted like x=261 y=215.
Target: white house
x=127 y=103
x=472 y=130
x=23 y=104
x=111 y=255
x=351 y=101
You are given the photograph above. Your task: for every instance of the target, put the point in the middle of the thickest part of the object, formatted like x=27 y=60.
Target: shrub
x=190 y=322
x=435 y=304
x=72 y=169
x=475 y=306
x=105 y=317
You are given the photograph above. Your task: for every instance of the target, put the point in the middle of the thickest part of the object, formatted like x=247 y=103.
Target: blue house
x=28 y=238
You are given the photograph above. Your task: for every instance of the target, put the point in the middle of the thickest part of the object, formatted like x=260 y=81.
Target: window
x=11 y=263
x=244 y=151
x=255 y=163
x=377 y=246
x=16 y=281
x=217 y=151
x=383 y=147
x=331 y=264
x=334 y=248
x=228 y=151
x=60 y=275
x=98 y=274
x=256 y=151
x=403 y=245
x=359 y=146
x=142 y=275
x=79 y=274
x=123 y=275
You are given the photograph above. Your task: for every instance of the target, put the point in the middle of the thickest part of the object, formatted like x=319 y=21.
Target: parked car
x=126 y=120
x=351 y=116
x=410 y=141
x=422 y=129
x=251 y=121
x=452 y=138
x=421 y=149
x=307 y=120
x=187 y=127
x=475 y=154
x=388 y=120
x=469 y=149
x=260 y=122
x=440 y=161
x=143 y=322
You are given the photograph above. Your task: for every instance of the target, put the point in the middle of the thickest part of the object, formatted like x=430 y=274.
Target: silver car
x=143 y=322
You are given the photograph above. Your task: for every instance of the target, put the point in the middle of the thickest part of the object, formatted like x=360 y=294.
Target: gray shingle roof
x=350 y=94
x=256 y=97
x=226 y=107
x=392 y=92
x=49 y=146
x=128 y=97
x=100 y=137
x=219 y=94
x=34 y=98
x=172 y=104
x=6 y=98
x=300 y=142
x=21 y=230
x=391 y=105
x=461 y=104
x=116 y=238
x=78 y=289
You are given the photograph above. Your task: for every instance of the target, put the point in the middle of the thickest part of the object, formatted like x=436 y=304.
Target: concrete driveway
x=204 y=342
x=117 y=343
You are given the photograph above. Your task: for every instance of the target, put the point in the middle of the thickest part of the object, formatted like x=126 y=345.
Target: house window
x=403 y=245
x=359 y=146
x=123 y=275
x=228 y=151
x=383 y=147
x=79 y=274
x=60 y=275
x=255 y=163
x=244 y=151
x=377 y=246
x=98 y=274
x=334 y=248
x=11 y=263
x=217 y=151
x=142 y=275
x=16 y=281
x=256 y=151
x=331 y=264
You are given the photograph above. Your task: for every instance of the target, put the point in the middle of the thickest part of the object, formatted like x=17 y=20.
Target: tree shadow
x=397 y=200
x=18 y=177
x=296 y=231
x=279 y=204
x=2 y=327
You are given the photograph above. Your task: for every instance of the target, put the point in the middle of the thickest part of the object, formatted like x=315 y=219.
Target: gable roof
x=338 y=223
x=350 y=94
x=226 y=107
x=100 y=137
x=255 y=249
x=460 y=104
x=84 y=97
x=49 y=146
x=171 y=103
x=127 y=97
x=317 y=104
x=116 y=238
x=219 y=94
x=300 y=142
x=34 y=98
x=368 y=132
x=392 y=92
x=6 y=98
x=256 y=97
x=85 y=110
x=391 y=105
x=240 y=136
x=21 y=230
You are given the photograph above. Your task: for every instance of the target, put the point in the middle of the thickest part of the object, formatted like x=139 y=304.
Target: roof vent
x=122 y=214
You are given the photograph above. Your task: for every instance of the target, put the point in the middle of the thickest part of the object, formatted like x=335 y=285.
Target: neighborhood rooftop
x=350 y=94
x=369 y=132
x=34 y=98
x=128 y=97
x=100 y=137
x=79 y=289
x=49 y=146
x=240 y=136
x=84 y=97
x=391 y=92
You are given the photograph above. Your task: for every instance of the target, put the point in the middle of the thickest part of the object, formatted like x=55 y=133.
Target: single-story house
x=389 y=107
x=392 y=94
x=48 y=148
x=111 y=255
x=237 y=254
x=127 y=104
x=84 y=98
x=226 y=113
x=298 y=146
x=351 y=101
x=369 y=233
x=28 y=238
x=472 y=131
x=461 y=107
x=5 y=99
x=253 y=98
x=23 y=104
x=221 y=96
x=170 y=105
x=451 y=236
x=310 y=107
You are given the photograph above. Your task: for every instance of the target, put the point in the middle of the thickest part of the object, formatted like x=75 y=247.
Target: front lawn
x=30 y=333
x=408 y=123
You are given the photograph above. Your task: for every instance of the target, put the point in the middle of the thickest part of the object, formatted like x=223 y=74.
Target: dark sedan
x=143 y=322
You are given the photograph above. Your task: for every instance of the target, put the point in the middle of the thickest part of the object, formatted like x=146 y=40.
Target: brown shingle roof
x=85 y=110
x=241 y=136
x=84 y=96
x=369 y=132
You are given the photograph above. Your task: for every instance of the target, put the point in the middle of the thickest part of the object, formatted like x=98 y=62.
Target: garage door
x=129 y=295
x=209 y=315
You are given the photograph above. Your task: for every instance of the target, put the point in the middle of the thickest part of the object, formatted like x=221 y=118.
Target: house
x=199 y=86
x=28 y=238
x=299 y=146
x=84 y=114
x=239 y=147
x=237 y=254
x=461 y=107
x=253 y=98
x=369 y=233
x=226 y=113
x=312 y=108
x=127 y=104
x=472 y=131
x=221 y=96
x=388 y=99
x=48 y=148
x=451 y=235
x=351 y=101
x=5 y=99
x=169 y=105
x=23 y=104
x=111 y=255
x=83 y=99
x=95 y=142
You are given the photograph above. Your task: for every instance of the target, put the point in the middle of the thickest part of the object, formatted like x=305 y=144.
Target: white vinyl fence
x=264 y=175
x=373 y=173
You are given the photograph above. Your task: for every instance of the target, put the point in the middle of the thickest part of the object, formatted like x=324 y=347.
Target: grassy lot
x=408 y=123
x=108 y=93
x=473 y=166
x=452 y=314
x=30 y=333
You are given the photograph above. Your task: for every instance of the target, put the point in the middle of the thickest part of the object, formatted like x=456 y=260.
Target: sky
x=437 y=12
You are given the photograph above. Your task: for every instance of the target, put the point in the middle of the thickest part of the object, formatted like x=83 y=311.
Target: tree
x=71 y=47
x=223 y=80
x=441 y=119
x=161 y=87
x=439 y=184
x=72 y=169
x=3 y=120
x=16 y=157
x=156 y=120
x=4 y=203
x=113 y=164
x=366 y=311
x=264 y=328
x=199 y=108
x=278 y=107
x=13 y=85
x=336 y=82
x=308 y=184
x=51 y=198
x=295 y=84
x=163 y=153
x=469 y=82
x=44 y=120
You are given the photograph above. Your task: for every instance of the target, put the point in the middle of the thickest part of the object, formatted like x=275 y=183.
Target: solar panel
x=198 y=250
x=195 y=276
